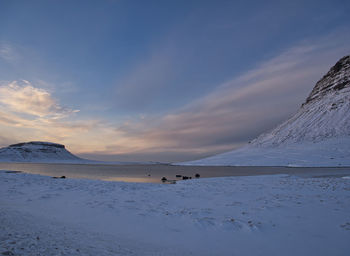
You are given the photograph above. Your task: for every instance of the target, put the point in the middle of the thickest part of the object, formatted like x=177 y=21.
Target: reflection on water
x=154 y=173
x=126 y=173
x=133 y=179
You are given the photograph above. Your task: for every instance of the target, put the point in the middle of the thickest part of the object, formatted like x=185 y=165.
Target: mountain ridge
x=334 y=79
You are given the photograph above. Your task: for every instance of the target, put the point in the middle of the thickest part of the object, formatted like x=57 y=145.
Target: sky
x=160 y=80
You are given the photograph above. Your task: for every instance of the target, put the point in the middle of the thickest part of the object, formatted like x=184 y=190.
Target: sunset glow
x=143 y=88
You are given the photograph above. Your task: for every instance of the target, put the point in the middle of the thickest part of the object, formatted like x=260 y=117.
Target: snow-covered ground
x=331 y=152
x=258 y=215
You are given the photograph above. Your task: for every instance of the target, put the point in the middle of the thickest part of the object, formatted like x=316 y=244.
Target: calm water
x=154 y=173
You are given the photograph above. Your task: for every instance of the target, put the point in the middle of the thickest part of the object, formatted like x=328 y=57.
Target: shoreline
x=154 y=173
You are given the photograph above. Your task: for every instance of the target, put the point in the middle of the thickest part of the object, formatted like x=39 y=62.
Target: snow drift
x=317 y=135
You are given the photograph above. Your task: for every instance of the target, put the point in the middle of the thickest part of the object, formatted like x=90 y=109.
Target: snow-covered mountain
x=37 y=151
x=48 y=152
x=317 y=135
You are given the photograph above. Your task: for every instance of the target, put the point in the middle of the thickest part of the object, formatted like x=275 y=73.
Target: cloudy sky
x=160 y=80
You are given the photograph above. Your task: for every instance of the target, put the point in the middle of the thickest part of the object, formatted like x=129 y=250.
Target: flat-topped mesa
x=37 y=151
x=337 y=78
x=38 y=143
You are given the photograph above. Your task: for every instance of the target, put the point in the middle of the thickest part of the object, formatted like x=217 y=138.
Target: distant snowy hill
x=48 y=152
x=37 y=151
x=317 y=135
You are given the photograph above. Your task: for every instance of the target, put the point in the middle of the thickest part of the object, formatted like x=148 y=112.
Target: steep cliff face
x=335 y=80
x=37 y=151
x=317 y=135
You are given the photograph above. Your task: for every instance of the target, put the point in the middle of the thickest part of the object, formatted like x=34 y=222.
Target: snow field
x=260 y=215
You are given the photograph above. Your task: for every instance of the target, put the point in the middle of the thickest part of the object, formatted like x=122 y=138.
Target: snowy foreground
x=257 y=215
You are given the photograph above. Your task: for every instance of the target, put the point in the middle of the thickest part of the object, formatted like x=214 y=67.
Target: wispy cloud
x=229 y=116
x=145 y=81
x=22 y=97
x=236 y=111
x=8 y=53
